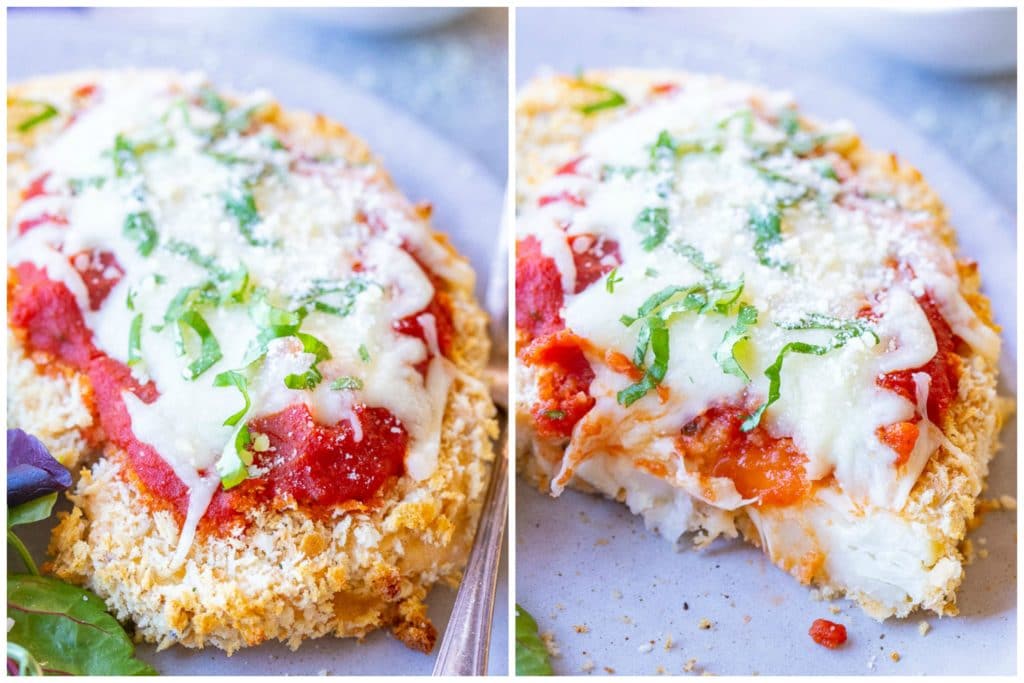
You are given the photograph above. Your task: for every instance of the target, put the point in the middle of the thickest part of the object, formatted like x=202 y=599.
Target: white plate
x=582 y=560
x=467 y=205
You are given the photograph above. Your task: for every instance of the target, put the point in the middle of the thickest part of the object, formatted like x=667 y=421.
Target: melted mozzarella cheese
x=834 y=257
x=309 y=231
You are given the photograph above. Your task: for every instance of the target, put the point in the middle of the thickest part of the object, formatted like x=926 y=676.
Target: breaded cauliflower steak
x=288 y=576
x=551 y=130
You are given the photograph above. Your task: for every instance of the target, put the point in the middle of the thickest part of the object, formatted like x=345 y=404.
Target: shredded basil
x=333 y=297
x=655 y=335
x=235 y=460
x=652 y=223
x=140 y=227
x=135 y=341
x=347 y=382
x=238 y=380
x=243 y=207
x=311 y=377
x=845 y=330
x=127 y=154
x=612 y=280
x=364 y=355
x=609 y=171
x=613 y=98
x=725 y=354
x=47 y=112
x=78 y=185
x=710 y=295
x=209 y=351
x=554 y=414
x=766 y=222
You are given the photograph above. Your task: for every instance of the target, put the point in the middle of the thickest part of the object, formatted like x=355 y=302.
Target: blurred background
x=445 y=67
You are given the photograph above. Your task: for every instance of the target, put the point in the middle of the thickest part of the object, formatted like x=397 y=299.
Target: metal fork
x=467 y=640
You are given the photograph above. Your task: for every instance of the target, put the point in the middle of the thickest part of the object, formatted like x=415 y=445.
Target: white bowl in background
x=966 y=40
x=386 y=20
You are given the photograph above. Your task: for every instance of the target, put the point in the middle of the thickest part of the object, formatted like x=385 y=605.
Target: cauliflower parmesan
x=739 y=321
x=264 y=363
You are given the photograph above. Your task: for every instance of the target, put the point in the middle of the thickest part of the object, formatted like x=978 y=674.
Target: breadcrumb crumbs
x=617 y=594
x=587 y=666
x=894 y=656
x=834 y=609
x=582 y=628
x=1008 y=502
x=549 y=643
x=668 y=642
x=660 y=670
x=601 y=541
x=690 y=665
x=923 y=627
x=704 y=624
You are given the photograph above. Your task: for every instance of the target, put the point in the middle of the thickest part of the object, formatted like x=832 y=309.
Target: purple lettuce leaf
x=31 y=470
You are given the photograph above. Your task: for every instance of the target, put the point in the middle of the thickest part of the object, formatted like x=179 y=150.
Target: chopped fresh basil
x=613 y=98
x=364 y=355
x=725 y=354
x=652 y=223
x=135 y=341
x=789 y=122
x=609 y=171
x=612 y=280
x=347 y=382
x=243 y=207
x=532 y=657
x=127 y=154
x=333 y=297
x=766 y=222
x=209 y=351
x=312 y=377
x=826 y=170
x=746 y=119
x=233 y=465
x=667 y=148
x=554 y=414
x=654 y=334
x=238 y=380
x=46 y=112
x=845 y=330
x=78 y=185
x=140 y=227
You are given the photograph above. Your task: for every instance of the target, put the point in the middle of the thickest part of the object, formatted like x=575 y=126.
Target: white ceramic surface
x=583 y=561
x=468 y=205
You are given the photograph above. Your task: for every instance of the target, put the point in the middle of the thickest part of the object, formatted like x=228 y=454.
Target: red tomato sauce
x=563 y=382
x=563 y=196
x=598 y=259
x=42 y=219
x=319 y=466
x=101 y=272
x=759 y=464
x=538 y=291
x=36 y=188
x=828 y=633
x=439 y=307
x=943 y=368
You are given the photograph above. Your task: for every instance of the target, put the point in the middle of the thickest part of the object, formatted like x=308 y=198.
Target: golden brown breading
x=288 y=576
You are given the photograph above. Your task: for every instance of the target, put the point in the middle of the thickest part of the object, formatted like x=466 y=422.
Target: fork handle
x=467 y=639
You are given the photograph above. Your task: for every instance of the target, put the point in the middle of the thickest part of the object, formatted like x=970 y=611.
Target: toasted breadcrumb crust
x=550 y=130
x=288 y=576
